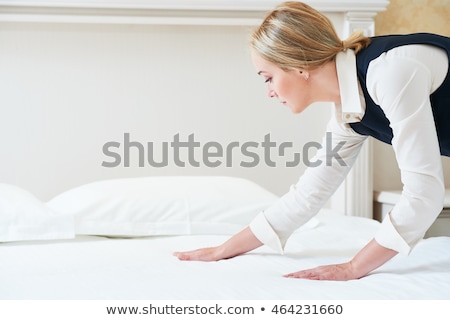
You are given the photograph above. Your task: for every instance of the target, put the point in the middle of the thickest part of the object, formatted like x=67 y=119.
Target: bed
x=114 y=239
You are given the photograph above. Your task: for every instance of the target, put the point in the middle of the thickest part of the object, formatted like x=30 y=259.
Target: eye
x=268 y=80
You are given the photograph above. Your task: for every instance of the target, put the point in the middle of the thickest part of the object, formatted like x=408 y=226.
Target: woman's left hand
x=369 y=258
x=336 y=272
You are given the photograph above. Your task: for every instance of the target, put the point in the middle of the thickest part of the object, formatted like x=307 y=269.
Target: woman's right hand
x=240 y=243
x=204 y=254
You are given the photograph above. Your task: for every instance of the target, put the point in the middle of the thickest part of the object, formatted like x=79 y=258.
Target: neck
x=327 y=84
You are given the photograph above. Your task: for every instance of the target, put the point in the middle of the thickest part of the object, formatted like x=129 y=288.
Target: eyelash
x=268 y=80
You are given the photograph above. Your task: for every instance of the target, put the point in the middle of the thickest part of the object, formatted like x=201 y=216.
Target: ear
x=305 y=74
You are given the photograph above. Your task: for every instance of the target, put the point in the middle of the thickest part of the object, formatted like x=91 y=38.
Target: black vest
x=374 y=123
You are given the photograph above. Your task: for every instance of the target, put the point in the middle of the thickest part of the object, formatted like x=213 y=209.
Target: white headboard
x=79 y=75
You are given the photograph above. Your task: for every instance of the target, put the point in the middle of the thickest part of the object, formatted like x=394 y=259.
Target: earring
x=305 y=76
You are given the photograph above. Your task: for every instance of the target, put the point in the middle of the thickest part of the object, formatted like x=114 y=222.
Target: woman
x=394 y=88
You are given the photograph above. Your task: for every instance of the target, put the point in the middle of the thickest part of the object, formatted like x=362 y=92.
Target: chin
x=296 y=110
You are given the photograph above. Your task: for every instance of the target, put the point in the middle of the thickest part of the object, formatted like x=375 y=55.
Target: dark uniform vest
x=374 y=123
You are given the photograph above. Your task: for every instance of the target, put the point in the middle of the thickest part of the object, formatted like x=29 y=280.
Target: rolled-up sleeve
x=304 y=199
x=402 y=86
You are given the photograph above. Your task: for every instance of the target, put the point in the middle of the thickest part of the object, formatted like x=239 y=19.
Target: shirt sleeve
x=325 y=173
x=402 y=86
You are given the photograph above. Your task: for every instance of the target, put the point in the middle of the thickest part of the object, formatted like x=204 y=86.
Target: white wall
x=67 y=89
x=75 y=75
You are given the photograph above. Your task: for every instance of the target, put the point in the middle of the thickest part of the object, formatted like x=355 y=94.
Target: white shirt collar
x=352 y=99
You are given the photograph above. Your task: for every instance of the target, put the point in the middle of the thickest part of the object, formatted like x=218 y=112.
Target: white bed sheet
x=90 y=267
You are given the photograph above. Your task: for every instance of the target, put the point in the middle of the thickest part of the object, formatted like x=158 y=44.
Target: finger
x=180 y=255
x=299 y=274
x=184 y=255
x=311 y=274
x=308 y=276
x=195 y=255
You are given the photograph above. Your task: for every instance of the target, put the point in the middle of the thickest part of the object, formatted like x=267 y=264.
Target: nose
x=271 y=93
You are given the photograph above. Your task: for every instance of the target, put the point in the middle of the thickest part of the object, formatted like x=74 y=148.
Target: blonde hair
x=294 y=35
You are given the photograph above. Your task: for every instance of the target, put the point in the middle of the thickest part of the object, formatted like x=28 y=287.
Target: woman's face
x=291 y=87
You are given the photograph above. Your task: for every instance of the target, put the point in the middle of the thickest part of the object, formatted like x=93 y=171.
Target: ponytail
x=357 y=41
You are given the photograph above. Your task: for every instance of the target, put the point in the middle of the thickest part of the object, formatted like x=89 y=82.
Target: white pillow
x=24 y=217
x=164 y=205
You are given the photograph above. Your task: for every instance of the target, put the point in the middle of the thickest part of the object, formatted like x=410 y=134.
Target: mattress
x=118 y=268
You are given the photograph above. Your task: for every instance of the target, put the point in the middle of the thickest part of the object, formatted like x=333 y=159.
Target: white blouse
x=400 y=81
